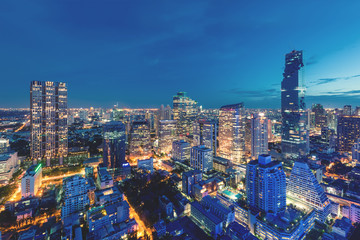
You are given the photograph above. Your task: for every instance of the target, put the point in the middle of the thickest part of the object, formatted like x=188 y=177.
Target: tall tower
x=232 y=132
x=205 y=133
x=266 y=185
x=167 y=135
x=139 y=140
x=295 y=136
x=114 y=145
x=259 y=135
x=48 y=120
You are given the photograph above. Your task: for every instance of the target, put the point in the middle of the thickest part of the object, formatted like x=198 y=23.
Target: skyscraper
x=205 y=133
x=167 y=134
x=201 y=158
x=114 y=145
x=232 y=132
x=348 y=131
x=75 y=195
x=320 y=118
x=259 y=135
x=303 y=187
x=139 y=140
x=181 y=151
x=347 y=110
x=48 y=119
x=184 y=110
x=295 y=136
x=266 y=185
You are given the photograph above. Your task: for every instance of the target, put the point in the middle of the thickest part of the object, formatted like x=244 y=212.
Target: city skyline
x=219 y=56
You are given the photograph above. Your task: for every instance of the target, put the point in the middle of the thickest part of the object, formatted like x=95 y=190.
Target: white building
x=75 y=195
x=8 y=165
x=31 y=181
x=181 y=151
x=4 y=145
x=259 y=135
x=303 y=187
x=201 y=158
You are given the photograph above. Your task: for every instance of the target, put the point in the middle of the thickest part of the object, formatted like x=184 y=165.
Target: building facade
x=232 y=132
x=31 y=181
x=114 y=144
x=205 y=133
x=139 y=140
x=348 y=131
x=181 y=151
x=201 y=158
x=259 y=135
x=167 y=135
x=295 y=135
x=48 y=120
x=75 y=195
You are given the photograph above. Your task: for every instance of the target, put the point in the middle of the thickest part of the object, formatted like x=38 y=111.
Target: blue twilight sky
x=139 y=53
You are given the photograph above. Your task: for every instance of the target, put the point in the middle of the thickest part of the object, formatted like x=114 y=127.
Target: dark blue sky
x=140 y=52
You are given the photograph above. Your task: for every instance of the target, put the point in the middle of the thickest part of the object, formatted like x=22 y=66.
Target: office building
x=4 y=145
x=165 y=113
x=259 y=135
x=31 y=181
x=232 y=132
x=167 y=135
x=295 y=135
x=347 y=110
x=266 y=185
x=320 y=118
x=206 y=219
x=185 y=110
x=189 y=179
x=75 y=195
x=348 y=131
x=226 y=214
x=146 y=164
x=205 y=133
x=9 y=163
x=201 y=158
x=48 y=121
x=114 y=144
x=357 y=111
x=139 y=140
x=181 y=151
x=356 y=151
x=304 y=187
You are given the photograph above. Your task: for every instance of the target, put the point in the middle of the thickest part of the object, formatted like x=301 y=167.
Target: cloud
x=329 y=80
x=271 y=92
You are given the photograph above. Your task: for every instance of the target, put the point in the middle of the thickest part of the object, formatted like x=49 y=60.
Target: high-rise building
x=181 y=151
x=4 y=145
x=139 y=140
x=31 y=181
x=347 y=110
x=167 y=135
x=75 y=195
x=232 y=132
x=201 y=158
x=266 y=185
x=114 y=145
x=184 y=110
x=356 y=150
x=304 y=187
x=48 y=120
x=205 y=133
x=259 y=135
x=348 y=131
x=189 y=179
x=295 y=136
x=9 y=163
x=320 y=118
x=357 y=111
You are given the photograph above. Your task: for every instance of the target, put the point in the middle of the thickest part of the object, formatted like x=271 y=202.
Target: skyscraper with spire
x=294 y=136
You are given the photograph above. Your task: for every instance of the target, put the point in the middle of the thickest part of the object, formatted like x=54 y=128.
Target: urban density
x=180 y=170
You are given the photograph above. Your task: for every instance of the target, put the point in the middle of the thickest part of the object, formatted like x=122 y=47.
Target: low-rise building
x=31 y=181
x=9 y=163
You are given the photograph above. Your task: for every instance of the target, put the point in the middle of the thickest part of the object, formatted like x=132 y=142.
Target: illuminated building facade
x=319 y=117
x=181 y=151
x=167 y=135
x=31 y=181
x=189 y=179
x=232 y=132
x=114 y=144
x=201 y=158
x=304 y=187
x=205 y=133
x=184 y=110
x=356 y=150
x=266 y=185
x=347 y=110
x=75 y=195
x=294 y=136
x=9 y=163
x=259 y=135
x=4 y=145
x=139 y=140
x=348 y=131
x=48 y=120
